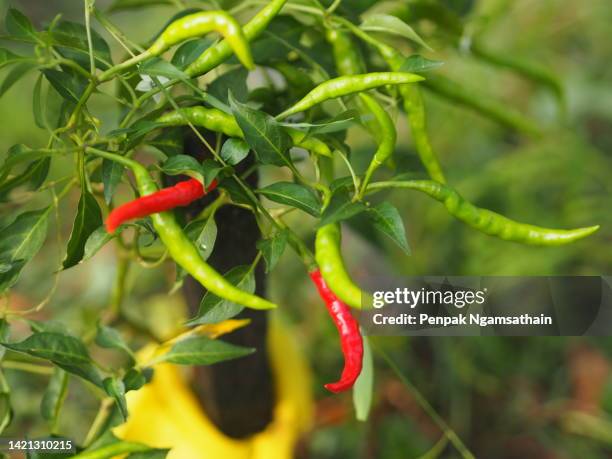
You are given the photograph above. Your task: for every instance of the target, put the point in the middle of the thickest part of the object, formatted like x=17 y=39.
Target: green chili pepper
x=489 y=222
x=346 y=56
x=345 y=85
x=198 y=24
x=387 y=137
x=348 y=62
x=329 y=259
x=415 y=111
x=219 y=121
x=413 y=104
x=180 y=248
x=217 y=54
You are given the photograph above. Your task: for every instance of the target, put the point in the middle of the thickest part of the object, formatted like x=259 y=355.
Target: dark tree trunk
x=238 y=395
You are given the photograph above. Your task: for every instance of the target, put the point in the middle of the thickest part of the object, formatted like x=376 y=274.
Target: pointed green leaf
x=393 y=25
x=19 y=242
x=110 y=338
x=183 y=165
x=69 y=84
x=214 y=309
x=266 y=137
x=273 y=248
x=19 y=25
x=387 y=219
x=417 y=64
x=66 y=352
x=234 y=150
x=112 y=171
x=88 y=219
x=98 y=239
x=294 y=195
x=200 y=350
x=157 y=67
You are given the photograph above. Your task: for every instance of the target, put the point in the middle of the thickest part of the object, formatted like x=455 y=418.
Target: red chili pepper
x=181 y=194
x=350 y=336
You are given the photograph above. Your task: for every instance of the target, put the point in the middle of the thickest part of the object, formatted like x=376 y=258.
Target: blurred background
x=504 y=397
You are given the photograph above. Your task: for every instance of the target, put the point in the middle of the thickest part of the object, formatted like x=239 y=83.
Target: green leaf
x=51 y=326
x=189 y=51
x=233 y=82
x=67 y=352
x=392 y=25
x=265 y=136
x=387 y=220
x=273 y=248
x=53 y=397
x=157 y=67
x=211 y=170
x=183 y=165
x=19 y=242
x=98 y=239
x=112 y=171
x=169 y=141
x=110 y=338
x=7 y=57
x=234 y=150
x=16 y=73
x=364 y=386
x=18 y=25
x=418 y=64
x=294 y=195
x=70 y=38
x=69 y=84
x=88 y=219
x=200 y=350
x=214 y=309
x=18 y=154
x=341 y=208
x=115 y=388
x=203 y=233
x=134 y=379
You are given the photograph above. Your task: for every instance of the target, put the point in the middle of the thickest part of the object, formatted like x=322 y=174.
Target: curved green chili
x=387 y=137
x=217 y=54
x=413 y=103
x=487 y=221
x=198 y=24
x=219 y=121
x=180 y=248
x=346 y=56
x=350 y=84
x=415 y=111
x=329 y=259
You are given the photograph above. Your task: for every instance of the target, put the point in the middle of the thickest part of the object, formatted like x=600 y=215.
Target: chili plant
x=323 y=72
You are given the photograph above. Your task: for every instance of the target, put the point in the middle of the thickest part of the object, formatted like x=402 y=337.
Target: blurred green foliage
x=505 y=397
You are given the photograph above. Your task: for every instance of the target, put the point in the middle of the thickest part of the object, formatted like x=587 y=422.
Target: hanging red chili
x=350 y=336
x=181 y=194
